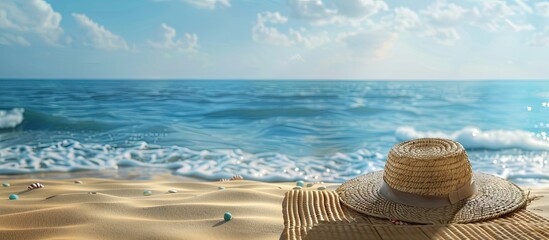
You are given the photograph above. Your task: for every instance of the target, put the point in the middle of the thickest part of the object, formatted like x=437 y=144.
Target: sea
x=268 y=130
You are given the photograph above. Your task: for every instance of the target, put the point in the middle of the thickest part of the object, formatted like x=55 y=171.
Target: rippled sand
x=119 y=210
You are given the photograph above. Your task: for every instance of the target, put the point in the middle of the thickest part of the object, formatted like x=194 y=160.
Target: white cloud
x=442 y=13
x=347 y=12
x=99 y=36
x=262 y=31
x=406 y=19
x=360 y=8
x=310 y=9
x=13 y=40
x=35 y=17
x=204 y=4
x=209 y=4
x=542 y=8
x=169 y=41
x=496 y=15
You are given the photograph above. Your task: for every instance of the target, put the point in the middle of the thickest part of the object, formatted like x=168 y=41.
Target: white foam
x=212 y=164
x=11 y=118
x=475 y=138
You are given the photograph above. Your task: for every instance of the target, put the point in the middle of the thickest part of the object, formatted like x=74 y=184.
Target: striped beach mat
x=312 y=214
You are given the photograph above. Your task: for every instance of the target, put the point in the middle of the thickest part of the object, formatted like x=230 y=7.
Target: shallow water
x=268 y=130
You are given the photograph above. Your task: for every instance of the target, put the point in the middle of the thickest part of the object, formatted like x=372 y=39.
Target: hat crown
x=428 y=167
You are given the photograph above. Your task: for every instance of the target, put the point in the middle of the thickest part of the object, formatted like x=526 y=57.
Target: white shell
x=172 y=191
x=35 y=186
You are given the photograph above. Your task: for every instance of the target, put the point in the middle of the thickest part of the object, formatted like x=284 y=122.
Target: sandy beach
x=64 y=209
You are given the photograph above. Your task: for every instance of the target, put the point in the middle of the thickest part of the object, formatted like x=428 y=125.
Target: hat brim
x=494 y=197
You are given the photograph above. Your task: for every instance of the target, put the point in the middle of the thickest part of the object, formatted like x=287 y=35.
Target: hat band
x=417 y=200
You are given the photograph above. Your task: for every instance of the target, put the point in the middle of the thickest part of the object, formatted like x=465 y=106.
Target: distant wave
x=27 y=119
x=11 y=118
x=475 y=138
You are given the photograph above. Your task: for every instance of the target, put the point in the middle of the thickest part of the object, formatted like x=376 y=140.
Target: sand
x=118 y=210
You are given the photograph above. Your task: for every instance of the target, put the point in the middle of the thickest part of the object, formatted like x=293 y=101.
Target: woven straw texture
x=427 y=166
x=431 y=168
x=494 y=197
x=320 y=215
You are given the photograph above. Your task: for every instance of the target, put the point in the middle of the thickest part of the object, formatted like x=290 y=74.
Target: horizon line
x=266 y=79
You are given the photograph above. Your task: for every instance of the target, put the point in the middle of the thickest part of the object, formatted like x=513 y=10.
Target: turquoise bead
x=227 y=216
x=14 y=197
x=300 y=183
x=5 y=184
x=147 y=193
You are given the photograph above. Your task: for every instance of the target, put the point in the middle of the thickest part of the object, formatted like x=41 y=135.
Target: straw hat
x=430 y=180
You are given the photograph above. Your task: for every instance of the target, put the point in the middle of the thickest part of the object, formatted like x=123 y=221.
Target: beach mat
x=312 y=214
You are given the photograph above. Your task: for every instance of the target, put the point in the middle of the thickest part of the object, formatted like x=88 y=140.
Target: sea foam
x=475 y=138
x=212 y=164
x=11 y=118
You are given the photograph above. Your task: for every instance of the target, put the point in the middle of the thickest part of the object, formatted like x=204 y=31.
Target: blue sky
x=268 y=39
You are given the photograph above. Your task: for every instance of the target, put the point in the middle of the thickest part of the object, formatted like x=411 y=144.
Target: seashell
x=227 y=216
x=35 y=186
x=78 y=182
x=221 y=188
x=310 y=184
x=237 y=177
x=172 y=191
x=6 y=184
x=321 y=188
x=147 y=193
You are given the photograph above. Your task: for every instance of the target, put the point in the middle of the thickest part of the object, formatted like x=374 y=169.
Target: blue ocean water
x=268 y=130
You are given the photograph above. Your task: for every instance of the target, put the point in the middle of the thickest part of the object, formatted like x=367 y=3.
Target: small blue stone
x=147 y=193
x=300 y=183
x=14 y=197
x=227 y=216
x=5 y=184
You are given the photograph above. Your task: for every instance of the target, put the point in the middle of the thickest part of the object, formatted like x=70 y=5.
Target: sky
x=274 y=39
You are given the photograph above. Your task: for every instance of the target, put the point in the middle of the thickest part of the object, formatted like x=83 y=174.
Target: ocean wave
x=11 y=118
x=214 y=164
x=475 y=138
x=526 y=167
x=27 y=119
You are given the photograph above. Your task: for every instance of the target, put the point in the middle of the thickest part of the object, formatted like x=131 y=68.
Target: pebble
x=14 y=197
x=297 y=188
x=299 y=183
x=220 y=188
x=310 y=184
x=6 y=184
x=78 y=182
x=321 y=188
x=147 y=193
x=172 y=191
x=227 y=216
